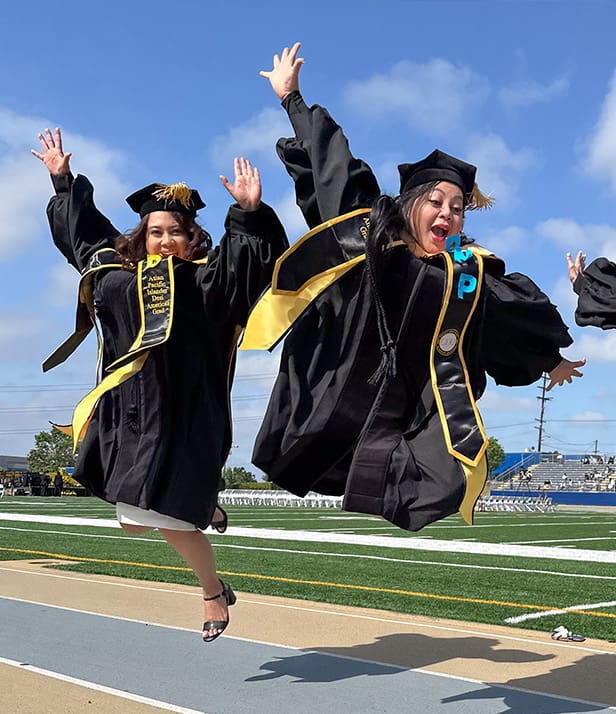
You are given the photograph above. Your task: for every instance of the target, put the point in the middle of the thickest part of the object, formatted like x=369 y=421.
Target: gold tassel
x=179 y=192
x=478 y=200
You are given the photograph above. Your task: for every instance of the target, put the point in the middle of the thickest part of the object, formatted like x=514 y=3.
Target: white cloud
x=291 y=217
x=62 y=284
x=23 y=197
x=20 y=335
x=433 y=97
x=255 y=375
x=523 y=94
x=563 y=296
x=254 y=139
x=504 y=242
x=587 y=416
x=24 y=184
x=597 y=346
x=388 y=177
x=499 y=167
x=593 y=238
x=499 y=400
x=600 y=160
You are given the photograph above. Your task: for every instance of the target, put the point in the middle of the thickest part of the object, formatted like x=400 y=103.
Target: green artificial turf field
x=485 y=573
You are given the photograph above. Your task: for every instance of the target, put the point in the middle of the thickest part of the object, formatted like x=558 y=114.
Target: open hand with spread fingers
x=564 y=371
x=247 y=187
x=51 y=154
x=284 y=76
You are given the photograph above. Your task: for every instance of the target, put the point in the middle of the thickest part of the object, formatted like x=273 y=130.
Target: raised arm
x=52 y=155
x=246 y=190
x=595 y=286
x=78 y=228
x=240 y=268
x=329 y=180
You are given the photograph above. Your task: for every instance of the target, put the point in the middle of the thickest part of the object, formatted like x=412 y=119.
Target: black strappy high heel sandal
x=221 y=525
x=221 y=625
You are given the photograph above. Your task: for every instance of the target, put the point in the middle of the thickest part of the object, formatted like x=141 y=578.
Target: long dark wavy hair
x=132 y=245
x=391 y=216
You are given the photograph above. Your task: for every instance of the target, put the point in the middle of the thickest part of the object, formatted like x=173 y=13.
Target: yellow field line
x=297 y=581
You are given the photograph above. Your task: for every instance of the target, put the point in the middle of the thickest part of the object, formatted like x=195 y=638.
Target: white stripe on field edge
x=405 y=543
x=547 y=613
x=361 y=556
x=100 y=688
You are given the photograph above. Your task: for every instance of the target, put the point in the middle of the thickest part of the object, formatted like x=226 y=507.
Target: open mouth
x=439 y=233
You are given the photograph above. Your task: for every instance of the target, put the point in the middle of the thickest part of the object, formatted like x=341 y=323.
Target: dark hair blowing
x=132 y=245
x=388 y=219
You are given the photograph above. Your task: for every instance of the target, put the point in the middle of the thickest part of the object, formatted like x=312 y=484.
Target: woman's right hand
x=284 y=76
x=52 y=156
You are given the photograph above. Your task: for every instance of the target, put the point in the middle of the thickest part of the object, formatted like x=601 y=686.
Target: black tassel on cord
x=375 y=244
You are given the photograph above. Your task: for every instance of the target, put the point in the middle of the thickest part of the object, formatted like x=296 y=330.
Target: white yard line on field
x=320 y=553
x=548 y=613
x=402 y=542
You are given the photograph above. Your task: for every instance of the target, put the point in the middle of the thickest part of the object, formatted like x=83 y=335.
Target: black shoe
x=221 y=525
x=221 y=625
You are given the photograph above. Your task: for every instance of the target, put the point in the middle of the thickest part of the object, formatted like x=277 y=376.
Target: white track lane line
x=322 y=610
x=100 y=688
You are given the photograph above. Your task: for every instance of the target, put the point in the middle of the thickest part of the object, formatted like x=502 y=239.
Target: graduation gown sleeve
x=522 y=331
x=329 y=180
x=78 y=228
x=240 y=268
x=596 y=289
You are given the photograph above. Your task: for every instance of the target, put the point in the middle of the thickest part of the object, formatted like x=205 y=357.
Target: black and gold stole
x=460 y=419
x=317 y=260
x=155 y=292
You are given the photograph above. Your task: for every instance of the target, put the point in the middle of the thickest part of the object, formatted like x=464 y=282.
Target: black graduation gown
x=596 y=289
x=159 y=440
x=327 y=428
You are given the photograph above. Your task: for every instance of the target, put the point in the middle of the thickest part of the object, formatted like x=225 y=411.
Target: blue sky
x=525 y=89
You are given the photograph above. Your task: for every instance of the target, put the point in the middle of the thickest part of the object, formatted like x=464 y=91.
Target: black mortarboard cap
x=159 y=197
x=438 y=166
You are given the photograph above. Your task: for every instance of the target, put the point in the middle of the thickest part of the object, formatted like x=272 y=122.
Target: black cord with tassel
x=385 y=227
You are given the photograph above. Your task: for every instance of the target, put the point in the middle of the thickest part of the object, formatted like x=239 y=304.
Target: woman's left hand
x=564 y=371
x=575 y=267
x=247 y=187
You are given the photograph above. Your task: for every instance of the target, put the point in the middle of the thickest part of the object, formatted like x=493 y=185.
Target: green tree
x=495 y=454
x=52 y=450
x=237 y=476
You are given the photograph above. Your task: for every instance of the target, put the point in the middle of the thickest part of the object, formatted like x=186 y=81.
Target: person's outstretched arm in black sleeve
x=78 y=228
x=329 y=180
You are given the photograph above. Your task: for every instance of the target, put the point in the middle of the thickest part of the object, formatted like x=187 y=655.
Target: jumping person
x=392 y=319
x=155 y=433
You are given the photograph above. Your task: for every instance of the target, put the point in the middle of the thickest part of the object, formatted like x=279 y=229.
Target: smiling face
x=165 y=236
x=434 y=216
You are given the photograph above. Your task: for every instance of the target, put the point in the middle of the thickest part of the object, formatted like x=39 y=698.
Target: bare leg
x=196 y=550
